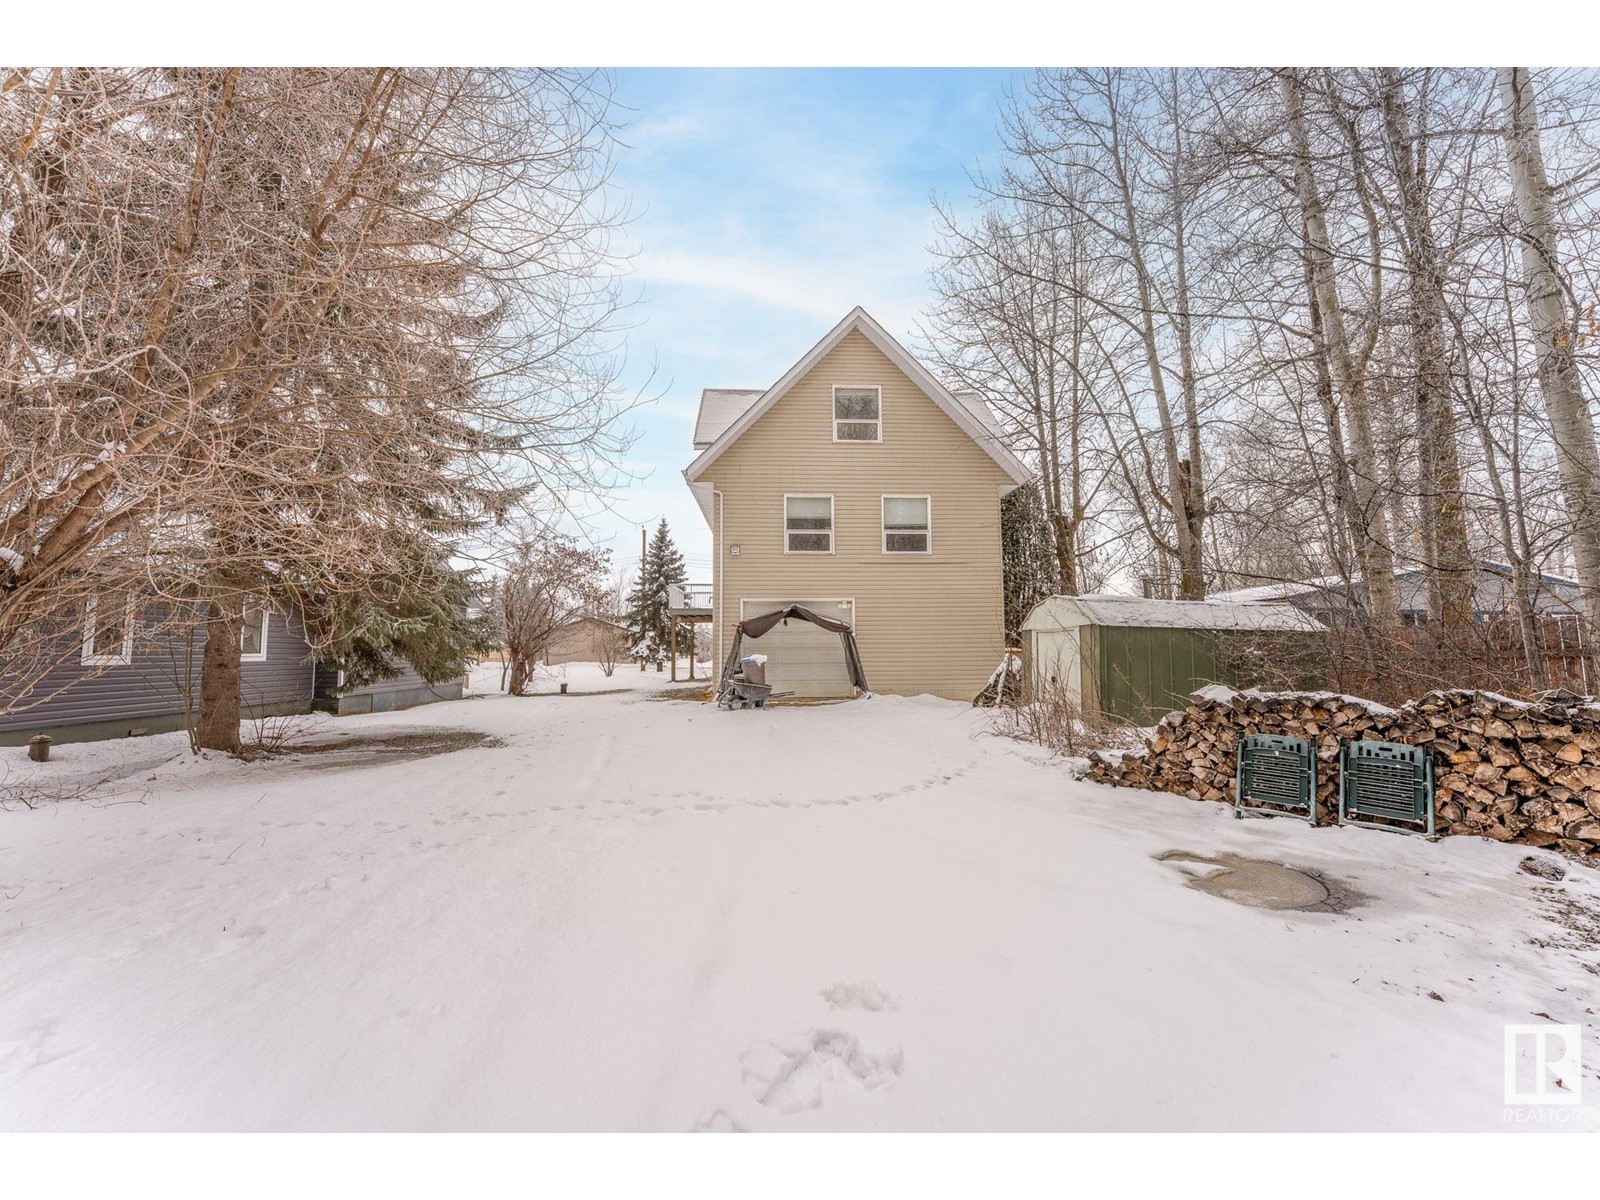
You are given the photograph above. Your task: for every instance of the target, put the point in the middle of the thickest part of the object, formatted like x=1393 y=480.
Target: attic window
x=808 y=524
x=857 y=414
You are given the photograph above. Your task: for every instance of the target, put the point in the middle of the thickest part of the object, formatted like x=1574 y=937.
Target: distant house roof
x=733 y=410
x=719 y=408
x=1268 y=593
x=1066 y=612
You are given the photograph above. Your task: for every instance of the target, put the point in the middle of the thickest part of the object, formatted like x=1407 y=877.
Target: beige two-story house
x=861 y=487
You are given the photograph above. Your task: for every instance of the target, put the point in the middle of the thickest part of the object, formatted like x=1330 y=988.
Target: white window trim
x=266 y=623
x=833 y=521
x=883 y=529
x=833 y=411
x=91 y=627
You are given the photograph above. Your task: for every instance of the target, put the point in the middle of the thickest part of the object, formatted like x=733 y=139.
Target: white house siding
x=924 y=623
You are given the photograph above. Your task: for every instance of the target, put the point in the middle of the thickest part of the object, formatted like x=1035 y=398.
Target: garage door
x=801 y=658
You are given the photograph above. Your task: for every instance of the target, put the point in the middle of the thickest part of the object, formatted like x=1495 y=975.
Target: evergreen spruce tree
x=648 y=635
x=1027 y=556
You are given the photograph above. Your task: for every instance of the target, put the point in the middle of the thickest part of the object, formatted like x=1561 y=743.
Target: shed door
x=802 y=658
x=1058 y=662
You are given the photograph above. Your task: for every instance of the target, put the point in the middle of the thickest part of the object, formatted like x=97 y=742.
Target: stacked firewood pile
x=1503 y=769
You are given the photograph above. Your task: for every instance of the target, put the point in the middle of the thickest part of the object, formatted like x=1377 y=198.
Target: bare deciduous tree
x=547 y=580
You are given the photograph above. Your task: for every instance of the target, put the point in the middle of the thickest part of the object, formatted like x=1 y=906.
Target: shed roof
x=1067 y=612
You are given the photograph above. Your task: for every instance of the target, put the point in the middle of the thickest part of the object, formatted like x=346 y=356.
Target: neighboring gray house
x=127 y=677
x=405 y=690
x=1329 y=598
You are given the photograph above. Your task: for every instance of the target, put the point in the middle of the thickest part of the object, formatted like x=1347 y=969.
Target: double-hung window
x=108 y=632
x=253 y=635
x=808 y=524
x=857 y=414
x=907 y=525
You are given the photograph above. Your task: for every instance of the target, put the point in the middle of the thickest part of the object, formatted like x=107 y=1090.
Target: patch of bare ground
x=571 y=695
x=357 y=751
x=1258 y=883
x=1578 y=916
x=698 y=691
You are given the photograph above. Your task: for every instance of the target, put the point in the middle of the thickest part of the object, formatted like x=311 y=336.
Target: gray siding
x=145 y=695
x=406 y=690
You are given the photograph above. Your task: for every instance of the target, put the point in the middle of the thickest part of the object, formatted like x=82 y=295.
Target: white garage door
x=801 y=658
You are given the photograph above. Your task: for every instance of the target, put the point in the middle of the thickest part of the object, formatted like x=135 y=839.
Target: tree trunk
x=1448 y=563
x=1517 y=552
x=218 y=726
x=1190 y=569
x=1375 y=548
x=1193 y=511
x=521 y=672
x=1347 y=530
x=1571 y=425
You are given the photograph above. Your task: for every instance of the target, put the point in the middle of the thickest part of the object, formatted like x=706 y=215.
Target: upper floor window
x=107 y=632
x=907 y=525
x=857 y=414
x=808 y=524
x=253 y=635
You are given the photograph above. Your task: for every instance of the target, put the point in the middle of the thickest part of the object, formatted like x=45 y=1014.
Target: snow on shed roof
x=719 y=408
x=1066 y=612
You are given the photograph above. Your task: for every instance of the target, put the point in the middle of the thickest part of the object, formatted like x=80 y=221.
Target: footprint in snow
x=719 y=1122
x=796 y=1073
x=235 y=936
x=864 y=996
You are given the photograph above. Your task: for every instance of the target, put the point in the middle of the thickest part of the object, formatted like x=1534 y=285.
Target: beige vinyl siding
x=925 y=622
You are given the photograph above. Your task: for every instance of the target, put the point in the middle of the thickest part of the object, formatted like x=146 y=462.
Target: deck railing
x=688 y=597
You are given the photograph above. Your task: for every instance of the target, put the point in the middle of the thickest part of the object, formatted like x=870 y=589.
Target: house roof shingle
x=719 y=408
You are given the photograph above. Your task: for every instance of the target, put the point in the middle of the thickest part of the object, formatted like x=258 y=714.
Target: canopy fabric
x=758 y=626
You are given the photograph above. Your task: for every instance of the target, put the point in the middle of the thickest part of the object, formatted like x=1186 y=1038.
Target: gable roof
x=719 y=408
x=970 y=414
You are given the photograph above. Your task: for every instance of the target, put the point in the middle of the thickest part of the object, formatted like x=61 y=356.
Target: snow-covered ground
x=631 y=912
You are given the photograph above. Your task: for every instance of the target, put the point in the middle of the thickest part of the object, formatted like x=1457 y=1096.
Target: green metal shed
x=1133 y=659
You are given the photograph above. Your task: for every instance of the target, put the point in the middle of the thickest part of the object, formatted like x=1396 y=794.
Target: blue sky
x=767 y=204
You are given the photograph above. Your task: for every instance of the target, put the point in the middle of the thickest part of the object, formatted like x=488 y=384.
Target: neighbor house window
x=857 y=414
x=107 y=632
x=253 y=635
x=907 y=525
x=808 y=524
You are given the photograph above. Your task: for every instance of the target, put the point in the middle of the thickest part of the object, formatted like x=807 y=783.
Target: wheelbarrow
x=748 y=686
x=741 y=693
